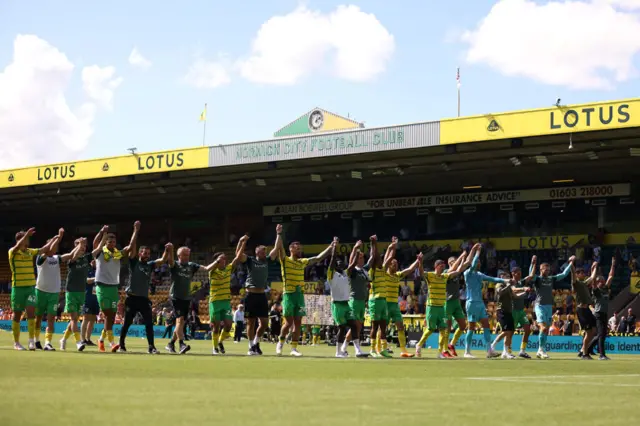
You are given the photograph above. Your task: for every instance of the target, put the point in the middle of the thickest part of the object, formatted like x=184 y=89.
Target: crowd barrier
x=614 y=345
x=60 y=327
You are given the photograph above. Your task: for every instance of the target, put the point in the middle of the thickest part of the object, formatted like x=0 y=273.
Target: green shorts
x=315 y=331
x=22 y=297
x=46 y=303
x=519 y=318
x=453 y=310
x=73 y=302
x=108 y=297
x=220 y=310
x=357 y=309
x=436 y=318
x=393 y=312
x=378 y=309
x=341 y=312
x=293 y=304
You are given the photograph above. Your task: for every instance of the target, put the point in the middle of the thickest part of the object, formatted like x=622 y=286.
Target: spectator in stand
x=238 y=319
x=513 y=264
x=622 y=325
x=569 y=302
x=558 y=301
x=567 y=328
x=403 y=306
x=631 y=321
x=613 y=323
x=633 y=263
x=422 y=301
x=405 y=290
x=596 y=253
x=417 y=283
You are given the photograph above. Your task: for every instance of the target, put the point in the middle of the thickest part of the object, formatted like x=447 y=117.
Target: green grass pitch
x=66 y=388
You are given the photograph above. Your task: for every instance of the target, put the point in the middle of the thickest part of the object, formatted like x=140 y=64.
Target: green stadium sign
x=337 y=143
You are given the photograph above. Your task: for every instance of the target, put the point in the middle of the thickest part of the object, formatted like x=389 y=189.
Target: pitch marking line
x=551 y=380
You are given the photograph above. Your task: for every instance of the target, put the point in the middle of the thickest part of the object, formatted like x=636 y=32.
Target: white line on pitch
x=555 y=382
x=553 y=377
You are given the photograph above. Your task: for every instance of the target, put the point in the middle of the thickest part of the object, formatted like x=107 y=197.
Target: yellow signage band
x=542 y=122
x=134 y=164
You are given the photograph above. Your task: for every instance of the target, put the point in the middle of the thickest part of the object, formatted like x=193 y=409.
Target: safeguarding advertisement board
x=60 y=327
x=137 y=164
x=444 y=200
x=615 y=345
x=547 y=121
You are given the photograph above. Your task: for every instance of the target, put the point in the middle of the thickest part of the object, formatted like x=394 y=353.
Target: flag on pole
x=458 y=77
x=203 y=114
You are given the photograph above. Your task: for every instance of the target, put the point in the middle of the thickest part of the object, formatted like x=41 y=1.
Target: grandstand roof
x=526 y=149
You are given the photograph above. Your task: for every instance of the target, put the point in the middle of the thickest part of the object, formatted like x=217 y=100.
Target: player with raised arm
x=23 y=285
x=338 y=280
x=393 y=283
x=108 y=262
x=293 y=267
x=359 y=282
x=601 y=307
x=182 y=272
x=452 y=307
x=77 y=274
x=137 y=301
x=48 y=287
x=580 y=284
x=435 y=317
x=220 y=315
x=505 y=293
x=544 y=284
x=519 y=315
x=378 y=310
x=256 y=303
x=476 y=311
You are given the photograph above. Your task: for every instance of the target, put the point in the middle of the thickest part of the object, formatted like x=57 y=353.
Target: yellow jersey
x=378 y=278
x=437 y=285
x=22 y=269
x=393 y=284
x=293 y=273
x=220 y=284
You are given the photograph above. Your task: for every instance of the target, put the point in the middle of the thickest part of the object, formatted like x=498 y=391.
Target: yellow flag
x=203 y=114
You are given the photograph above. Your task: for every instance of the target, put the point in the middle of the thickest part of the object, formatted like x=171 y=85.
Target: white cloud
x=137 y=60
x=204 y=74
x=577 y=44
x=100 y=83
x=37 y=124
x=350 y=43
x=625 y=4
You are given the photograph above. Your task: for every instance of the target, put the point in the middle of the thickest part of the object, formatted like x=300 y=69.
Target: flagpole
x=458 y=79
x=204 y=128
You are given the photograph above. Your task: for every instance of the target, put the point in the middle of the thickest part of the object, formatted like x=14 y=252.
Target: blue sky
x=399 y=67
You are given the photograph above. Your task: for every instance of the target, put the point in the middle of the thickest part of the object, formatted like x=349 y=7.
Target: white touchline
x=553 y=377
x=530 y=379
